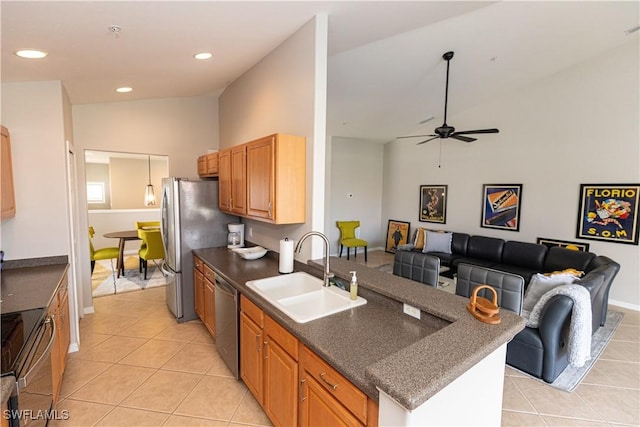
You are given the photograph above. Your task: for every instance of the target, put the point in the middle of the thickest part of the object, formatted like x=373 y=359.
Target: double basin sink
x=303 y=297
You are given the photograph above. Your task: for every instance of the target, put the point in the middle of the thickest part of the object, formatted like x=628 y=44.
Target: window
x=95 y=192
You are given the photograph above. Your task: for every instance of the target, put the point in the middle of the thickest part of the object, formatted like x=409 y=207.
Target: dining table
x=124 y=236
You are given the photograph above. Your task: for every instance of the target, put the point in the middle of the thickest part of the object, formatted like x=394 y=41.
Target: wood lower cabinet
x=198 y=284
x=60 y=311
x=268 y=364
x=209 y=298
x=7 y=195
x=292 y=384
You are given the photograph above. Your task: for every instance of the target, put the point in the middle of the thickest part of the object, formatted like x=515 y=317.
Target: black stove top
x=17 y=329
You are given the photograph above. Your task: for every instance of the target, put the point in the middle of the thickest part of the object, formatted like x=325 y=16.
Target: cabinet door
x=251 y=343
x=212 y=164
x=224 y=180
x=7 y=197
x=239 y=180
x=280 y=385
x=260 y=178
x=202 y=165
x=318 y=408
x=209 y=307
x=198 y=283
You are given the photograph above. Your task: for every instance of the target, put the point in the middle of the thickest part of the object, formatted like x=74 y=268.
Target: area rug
x=104 y=280
x=571 y=377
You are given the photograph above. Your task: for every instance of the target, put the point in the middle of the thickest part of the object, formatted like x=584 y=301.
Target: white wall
x=356 y=169
x=34 y=115
x=180 y=128
x=279 y=95
x=579 y=126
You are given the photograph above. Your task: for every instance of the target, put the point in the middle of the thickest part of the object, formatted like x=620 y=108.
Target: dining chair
x=150 y=249
x=349 y=239
x=103 y=253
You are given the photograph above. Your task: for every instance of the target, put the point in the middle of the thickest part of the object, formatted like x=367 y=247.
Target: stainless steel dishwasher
x=227 y=324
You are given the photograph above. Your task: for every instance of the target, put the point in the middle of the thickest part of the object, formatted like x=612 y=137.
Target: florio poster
x=609 y=212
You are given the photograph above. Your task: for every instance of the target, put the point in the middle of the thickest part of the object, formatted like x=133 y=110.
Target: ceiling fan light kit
x=445 y=131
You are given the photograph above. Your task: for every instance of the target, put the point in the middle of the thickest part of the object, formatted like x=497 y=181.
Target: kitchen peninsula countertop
x=376 y=345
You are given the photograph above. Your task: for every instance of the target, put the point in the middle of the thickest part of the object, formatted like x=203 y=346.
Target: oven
x=27 y=339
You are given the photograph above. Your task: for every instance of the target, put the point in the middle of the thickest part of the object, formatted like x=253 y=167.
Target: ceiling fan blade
x=467 y=132
x=412 y=136
x=462 y=138
x=427 y=140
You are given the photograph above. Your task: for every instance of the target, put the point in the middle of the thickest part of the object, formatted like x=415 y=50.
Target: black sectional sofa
x=540 y=351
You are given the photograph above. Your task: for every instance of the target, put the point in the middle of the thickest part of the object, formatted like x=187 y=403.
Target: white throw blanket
x=579 y=345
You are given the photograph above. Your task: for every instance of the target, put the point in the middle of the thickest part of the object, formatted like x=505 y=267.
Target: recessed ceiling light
x=31 y=53
x=124 y=89
x=203 y=55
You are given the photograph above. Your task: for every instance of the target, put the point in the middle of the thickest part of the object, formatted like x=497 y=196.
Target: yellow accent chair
x=151 y=247
x=348 y=238
x=104 y=253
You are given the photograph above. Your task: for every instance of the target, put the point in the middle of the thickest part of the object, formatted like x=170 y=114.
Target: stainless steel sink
x=302 y=296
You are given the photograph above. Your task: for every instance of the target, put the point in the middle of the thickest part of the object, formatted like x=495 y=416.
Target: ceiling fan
x=446 y=131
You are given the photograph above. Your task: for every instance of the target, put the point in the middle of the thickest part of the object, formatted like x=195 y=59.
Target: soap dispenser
x=353 y=287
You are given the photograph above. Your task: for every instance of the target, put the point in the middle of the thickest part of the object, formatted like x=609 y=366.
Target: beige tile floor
x=138 y=367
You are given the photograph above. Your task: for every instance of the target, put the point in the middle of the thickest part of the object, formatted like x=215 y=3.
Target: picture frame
x=397 y=234
x=501 y=206
x=433 y=204
x=577 y=246
x=608 y=212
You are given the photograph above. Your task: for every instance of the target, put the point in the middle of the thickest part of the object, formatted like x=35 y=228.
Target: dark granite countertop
x=376 y=345
x=29 y=287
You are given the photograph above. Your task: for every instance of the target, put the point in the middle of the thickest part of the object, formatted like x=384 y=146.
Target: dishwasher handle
x=225 y=288
x=34 y=368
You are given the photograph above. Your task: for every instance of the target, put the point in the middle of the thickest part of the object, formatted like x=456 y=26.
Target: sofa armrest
x=553 y=328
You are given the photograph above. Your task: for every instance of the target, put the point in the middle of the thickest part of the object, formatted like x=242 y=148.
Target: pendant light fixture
x=149 y=194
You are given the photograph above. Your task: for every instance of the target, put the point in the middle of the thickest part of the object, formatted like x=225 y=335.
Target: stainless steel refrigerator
x=190 y=220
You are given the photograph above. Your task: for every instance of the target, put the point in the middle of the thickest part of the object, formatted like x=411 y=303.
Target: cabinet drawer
x=208 y=273
x=198 y=264
x=252 y=311
x=337 y=385
x=288 y=342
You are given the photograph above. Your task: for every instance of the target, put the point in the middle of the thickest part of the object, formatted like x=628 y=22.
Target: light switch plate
x=411 y=310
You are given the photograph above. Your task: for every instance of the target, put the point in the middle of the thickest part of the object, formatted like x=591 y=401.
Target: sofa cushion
x=459 y=243
x=437 y=242
x=524 y=254
x=541 y=284
x=488 y=248
x=525 y=272
x=560 y=258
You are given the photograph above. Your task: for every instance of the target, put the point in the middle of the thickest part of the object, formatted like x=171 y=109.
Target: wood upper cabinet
x=7 y=194
x=276 y=179
x=208 y=165
x=232 y=173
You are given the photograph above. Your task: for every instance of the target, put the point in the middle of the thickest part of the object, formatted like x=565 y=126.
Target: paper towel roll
x=286 y=256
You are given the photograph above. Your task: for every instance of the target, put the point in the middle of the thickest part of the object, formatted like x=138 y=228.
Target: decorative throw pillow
x=419 y=243
x=541 y=284
x=437 y=242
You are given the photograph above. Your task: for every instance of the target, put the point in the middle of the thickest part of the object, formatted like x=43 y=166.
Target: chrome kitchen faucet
x=327 y=274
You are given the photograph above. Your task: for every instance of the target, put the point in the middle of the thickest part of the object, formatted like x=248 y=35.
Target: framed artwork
x=608 y=212
x=576 y=246
x=433 y=203
x=501 y=206
x=397 y=234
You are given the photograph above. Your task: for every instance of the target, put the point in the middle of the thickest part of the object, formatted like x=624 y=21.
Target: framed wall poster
x=609 y=212
x=397 y=234
x=563 y=244
x=433 y=203
x=501 y=206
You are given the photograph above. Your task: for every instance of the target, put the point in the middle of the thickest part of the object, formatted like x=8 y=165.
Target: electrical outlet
x=411 y=310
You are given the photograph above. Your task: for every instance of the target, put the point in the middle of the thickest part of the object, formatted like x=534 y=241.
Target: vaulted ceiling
x=386 y=71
